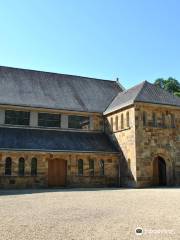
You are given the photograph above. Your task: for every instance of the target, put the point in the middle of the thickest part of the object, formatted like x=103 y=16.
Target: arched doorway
x=159 y=172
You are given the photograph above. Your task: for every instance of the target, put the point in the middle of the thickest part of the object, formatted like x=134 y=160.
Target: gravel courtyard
x=90 y=214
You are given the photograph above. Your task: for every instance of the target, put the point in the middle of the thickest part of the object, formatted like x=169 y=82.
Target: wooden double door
x=57 y=172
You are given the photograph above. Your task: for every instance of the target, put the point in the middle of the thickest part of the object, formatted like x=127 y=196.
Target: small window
x=144 y=118
x=21 y=166
x=80 y=167
x=163 y=120
x=127 y=119
x=49 y=120
x=172 y=121
x=154 y=120
x=91 y=167
x=101 y=167
x=116 y=123
x=129 y=163
x=17 y=117
x=78 y=122
x=33 y=167
x=112 y=124
x=122 y=121
x=8 y=166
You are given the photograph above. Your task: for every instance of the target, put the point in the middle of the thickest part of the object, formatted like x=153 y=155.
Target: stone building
x=61 y=130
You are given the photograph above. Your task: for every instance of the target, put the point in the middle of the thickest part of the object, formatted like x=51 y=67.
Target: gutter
x=55 y=151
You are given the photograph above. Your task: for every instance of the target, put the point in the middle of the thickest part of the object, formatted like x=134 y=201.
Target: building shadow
x=4 y=192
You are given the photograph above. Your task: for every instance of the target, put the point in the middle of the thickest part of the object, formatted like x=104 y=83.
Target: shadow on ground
x=4 y=192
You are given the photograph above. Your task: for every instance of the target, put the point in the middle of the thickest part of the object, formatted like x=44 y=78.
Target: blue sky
x=133 y=40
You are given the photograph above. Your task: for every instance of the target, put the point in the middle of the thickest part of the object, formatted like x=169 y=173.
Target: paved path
x=90 y=214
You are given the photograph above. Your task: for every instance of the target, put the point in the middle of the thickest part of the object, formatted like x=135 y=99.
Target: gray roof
x=144 y=92
x=31 y=88
x=52 y=140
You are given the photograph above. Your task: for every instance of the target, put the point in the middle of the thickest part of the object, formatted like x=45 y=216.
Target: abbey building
x=61 y=130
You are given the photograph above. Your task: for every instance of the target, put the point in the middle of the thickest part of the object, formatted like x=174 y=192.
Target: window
x=112 y=124
x=80 y=167
x=163 y=120
x=127 y=119
x=144 y=118
x=78 y=122
x=116 y=123
x=49 y=120
x=8 y=166
x=154 y=120
x=101 y=167
x=17 y=117
x=172 y=121
x=91 y=167
x=122 y=121
x=33 y=167
x=21 y=166
x=129 y=163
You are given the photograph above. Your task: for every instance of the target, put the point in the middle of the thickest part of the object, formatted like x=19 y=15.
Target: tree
x=171 y=85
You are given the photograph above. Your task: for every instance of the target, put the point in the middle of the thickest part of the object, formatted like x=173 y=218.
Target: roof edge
x=55 y=151
x=56 y=73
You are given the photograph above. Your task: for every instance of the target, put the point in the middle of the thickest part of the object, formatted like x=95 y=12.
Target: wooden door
x=57 y=170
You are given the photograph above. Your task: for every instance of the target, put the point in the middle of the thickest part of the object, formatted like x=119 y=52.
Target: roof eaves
x=129 y=103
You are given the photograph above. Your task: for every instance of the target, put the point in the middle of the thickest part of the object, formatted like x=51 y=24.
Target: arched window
x=144 y=118
x=116 y=123
x=122 y=121
x=91 y=167
x=8 y=166
x=163 y=120
x=80 y=167
x=33 y=166
x=127 y=119
x=172 y=121
x=154 y=120
x=111 y=124
x=21 y=166
x=101 y=167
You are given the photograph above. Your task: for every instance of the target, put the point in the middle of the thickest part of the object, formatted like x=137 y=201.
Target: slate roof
x=21 y=87
x=52 y=140
x=143 y=92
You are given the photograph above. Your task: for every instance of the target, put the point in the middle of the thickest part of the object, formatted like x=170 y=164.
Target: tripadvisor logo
x=139 y=231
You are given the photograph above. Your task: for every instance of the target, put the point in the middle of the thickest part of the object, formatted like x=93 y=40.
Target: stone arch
x=164 y=155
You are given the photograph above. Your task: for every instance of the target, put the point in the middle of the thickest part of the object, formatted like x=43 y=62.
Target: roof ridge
x=56 y=73
x=142 y=87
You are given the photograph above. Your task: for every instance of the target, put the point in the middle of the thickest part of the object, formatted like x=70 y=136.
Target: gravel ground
x=90 y=214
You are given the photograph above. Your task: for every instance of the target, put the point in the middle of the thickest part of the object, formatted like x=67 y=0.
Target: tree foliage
x=171 y=85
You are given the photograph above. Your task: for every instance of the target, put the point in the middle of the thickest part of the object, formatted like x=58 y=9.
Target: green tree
x=171 y=85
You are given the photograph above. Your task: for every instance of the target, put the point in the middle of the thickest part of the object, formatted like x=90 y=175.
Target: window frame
x=127 y=119
x=111 y=123
x=47 y=120
x=154 y=119
x=91 y=167
x=9 y=168
x=173 y=122
x=122 y=121
x=101 y=168
x=21 y=169
x=75 y=121
x=163 y=120
x=144 y=118
x=16 y=118
x=80 y=167
x=117 y=122
x=34 y=172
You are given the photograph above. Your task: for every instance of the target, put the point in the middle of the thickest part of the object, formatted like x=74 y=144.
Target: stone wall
x=153 y=141
x=110 y=178
x=124 y=138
